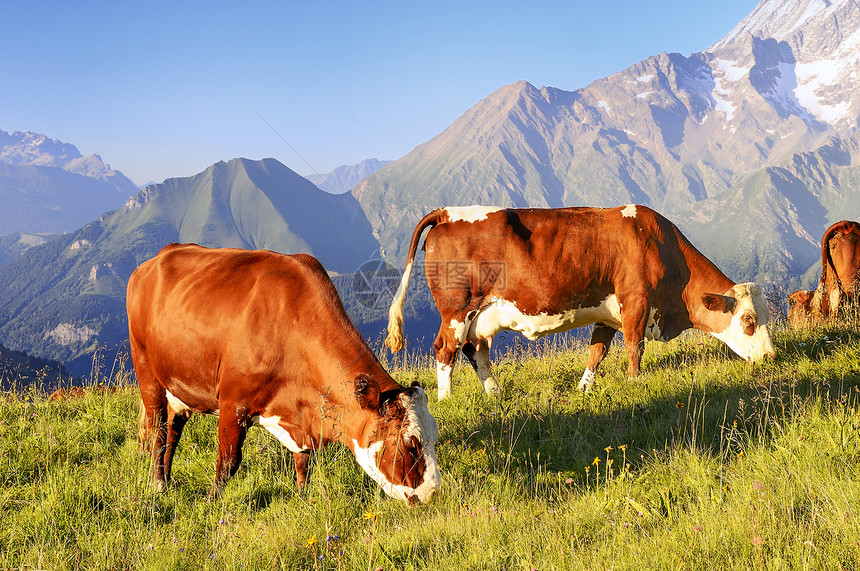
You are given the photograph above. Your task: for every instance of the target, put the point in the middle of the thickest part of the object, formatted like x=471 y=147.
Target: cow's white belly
x=180 y=407
x=270 y=423
x=176 y=404
x=503 y=314
x=273 y=425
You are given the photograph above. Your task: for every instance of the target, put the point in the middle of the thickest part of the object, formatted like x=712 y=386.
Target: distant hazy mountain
x=47 y=186
x=343 y=178
x=672 y=132
x=63 y=298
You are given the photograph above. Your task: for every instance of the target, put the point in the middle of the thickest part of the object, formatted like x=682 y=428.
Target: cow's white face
x=746 y=333
x=402 y=459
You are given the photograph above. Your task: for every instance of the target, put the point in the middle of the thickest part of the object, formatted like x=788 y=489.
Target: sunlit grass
x=703 y=462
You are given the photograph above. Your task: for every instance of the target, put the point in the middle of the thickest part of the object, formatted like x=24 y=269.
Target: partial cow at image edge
x=839 y=283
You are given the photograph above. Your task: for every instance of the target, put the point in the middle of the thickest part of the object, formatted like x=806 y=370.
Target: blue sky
x=164 y=89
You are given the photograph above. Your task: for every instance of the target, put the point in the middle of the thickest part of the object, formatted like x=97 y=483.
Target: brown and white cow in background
x=542 y=271
x=800 y=307
x=260 y=338
x=839 y=284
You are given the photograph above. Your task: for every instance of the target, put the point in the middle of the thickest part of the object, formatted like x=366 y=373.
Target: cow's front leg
x=302 y=461
x=232 y=428
x=480 y=359
x=634 y=321
x=601 y=338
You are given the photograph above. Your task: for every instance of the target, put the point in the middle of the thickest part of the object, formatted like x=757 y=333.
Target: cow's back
x=545 y=255
x=197 y=315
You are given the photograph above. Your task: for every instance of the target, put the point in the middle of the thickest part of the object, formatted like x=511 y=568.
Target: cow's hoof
x=491 y=387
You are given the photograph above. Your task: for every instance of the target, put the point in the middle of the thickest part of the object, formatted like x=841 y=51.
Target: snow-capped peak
x=812 y=28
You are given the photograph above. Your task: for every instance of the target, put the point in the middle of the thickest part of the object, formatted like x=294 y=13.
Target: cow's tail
x=394 y=341
x=821 y=302
x=144 y=434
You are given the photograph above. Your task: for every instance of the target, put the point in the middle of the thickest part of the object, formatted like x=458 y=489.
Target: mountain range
x=47 y=186
x=344 y=177
x=750 y=146
x=66 y=297
x=704 y=138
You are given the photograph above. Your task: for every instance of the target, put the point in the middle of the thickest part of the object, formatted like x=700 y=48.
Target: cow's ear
x=717 y=302
x=366 y=392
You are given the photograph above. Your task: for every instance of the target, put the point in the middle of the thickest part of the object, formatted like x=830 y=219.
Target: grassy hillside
x=18 y=369
x=704 y=462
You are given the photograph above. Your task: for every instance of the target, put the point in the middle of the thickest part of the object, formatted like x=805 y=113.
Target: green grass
x=703 y=462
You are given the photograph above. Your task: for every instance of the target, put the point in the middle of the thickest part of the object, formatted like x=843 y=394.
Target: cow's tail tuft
x=394 y=341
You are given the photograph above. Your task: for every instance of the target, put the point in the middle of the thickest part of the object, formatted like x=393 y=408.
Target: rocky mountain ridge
x=672 y=132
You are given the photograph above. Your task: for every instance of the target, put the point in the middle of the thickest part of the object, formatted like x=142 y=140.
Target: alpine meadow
x=720 y=454
x=703 y=462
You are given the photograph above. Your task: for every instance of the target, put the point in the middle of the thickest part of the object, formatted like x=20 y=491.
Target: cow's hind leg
x=152 y=426
x=232 y=429
x=155 y=422
x=303 y=473
x=446 y=347
x=480 y=359
x=175 y=423
x=601 y=337
x=451 y=337
x=154 y=415
x=447 y=344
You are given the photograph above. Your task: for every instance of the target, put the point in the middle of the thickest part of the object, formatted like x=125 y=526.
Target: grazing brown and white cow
x=79 y=392
x=800 y=307
x=260 y=338
x=839 y=284
x=541 y=271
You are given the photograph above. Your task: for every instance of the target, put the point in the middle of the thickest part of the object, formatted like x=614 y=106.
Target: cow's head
x=399 y=452
x=800 y=306
x=742 y=323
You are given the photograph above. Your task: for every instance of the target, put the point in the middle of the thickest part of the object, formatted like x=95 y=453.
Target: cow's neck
x=340 y=368
x=705 y=277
